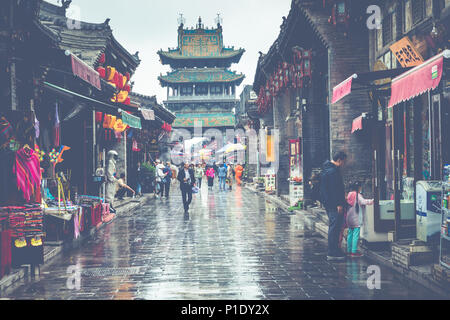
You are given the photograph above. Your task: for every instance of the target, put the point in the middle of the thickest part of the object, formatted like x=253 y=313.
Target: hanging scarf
x=27 y=170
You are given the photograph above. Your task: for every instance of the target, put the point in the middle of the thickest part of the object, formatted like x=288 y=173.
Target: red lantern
x=119 y=83
x=127 y=101
x=339 y=14
x=128 y=76
x=98 y=117
x=307 y=58
x=116 y=79
x=127 y=88
x=102 y=59
x=102 y=72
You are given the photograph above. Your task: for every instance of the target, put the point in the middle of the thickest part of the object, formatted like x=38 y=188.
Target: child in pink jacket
x=355 y=201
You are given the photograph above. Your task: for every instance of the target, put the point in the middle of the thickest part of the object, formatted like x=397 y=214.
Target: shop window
x=201 y=89
x=387 y=29
x=418 y=10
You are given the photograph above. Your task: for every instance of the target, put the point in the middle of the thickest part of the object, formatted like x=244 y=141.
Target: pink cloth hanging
x=28 y=172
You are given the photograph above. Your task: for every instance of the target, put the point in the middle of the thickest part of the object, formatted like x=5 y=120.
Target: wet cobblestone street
x=232 y=245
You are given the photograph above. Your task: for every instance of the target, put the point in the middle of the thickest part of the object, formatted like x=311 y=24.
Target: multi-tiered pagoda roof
x=200 y=75
x=200 y=47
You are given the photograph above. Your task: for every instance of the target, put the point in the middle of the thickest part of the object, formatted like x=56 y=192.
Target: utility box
x=428 y=210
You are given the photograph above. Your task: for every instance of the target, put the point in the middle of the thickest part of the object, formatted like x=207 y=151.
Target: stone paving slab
x=317 y=221
x=231 y=245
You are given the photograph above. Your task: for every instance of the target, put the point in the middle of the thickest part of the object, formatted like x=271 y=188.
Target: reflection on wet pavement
x=231 y=245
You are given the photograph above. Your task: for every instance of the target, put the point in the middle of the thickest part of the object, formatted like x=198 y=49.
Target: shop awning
x=95 y=104
x=364 y=80
x=418 y=80
x=343 y=89
x=357 y=123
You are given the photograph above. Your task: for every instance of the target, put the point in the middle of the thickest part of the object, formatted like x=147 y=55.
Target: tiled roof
x=196 y=75
x=86 y=40
x=201 y=53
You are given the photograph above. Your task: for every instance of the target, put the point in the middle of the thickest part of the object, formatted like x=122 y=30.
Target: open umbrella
x=231 y=147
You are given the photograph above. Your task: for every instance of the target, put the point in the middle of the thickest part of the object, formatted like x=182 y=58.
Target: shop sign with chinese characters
x=406 y=53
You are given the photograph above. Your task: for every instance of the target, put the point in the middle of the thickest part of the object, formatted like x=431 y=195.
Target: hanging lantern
x=110 y=72
x=98 y=117
x=122 y=96
x=102 y=59
x=339 y=14
x=307 y=57
x=119 y=126
x=102 y=72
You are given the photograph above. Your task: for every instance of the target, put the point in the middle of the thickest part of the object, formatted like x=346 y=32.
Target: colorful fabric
x=26 y=221
x=27 y=170
x=6 y=131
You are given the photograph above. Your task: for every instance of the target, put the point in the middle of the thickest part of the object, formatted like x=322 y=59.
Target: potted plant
x=148 y=176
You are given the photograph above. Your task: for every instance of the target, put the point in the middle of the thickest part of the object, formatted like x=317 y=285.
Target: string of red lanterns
x=285 y=76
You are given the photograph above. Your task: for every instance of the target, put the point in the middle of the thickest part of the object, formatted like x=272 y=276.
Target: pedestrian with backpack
x=332 y=194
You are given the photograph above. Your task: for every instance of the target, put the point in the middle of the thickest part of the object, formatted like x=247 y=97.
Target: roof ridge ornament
x=199 y=25
x=181 y=20
x=219 y=20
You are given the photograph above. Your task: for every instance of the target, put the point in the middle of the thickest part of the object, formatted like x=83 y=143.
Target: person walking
x=187 y=180
x=355 y=213
x=199 y=172
x=238 y=170
x=222 y=177
x=160 y=175
x=230 y=171
x=111 y=180
x=210 y=175
x=332 y=194
x=167 y=179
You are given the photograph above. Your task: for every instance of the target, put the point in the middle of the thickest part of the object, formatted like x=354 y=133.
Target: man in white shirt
x=160 y=175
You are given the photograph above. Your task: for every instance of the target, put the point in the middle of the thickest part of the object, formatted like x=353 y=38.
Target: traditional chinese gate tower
x=200 y=86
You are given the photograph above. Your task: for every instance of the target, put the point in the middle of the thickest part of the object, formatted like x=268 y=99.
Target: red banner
x=82 y=70
x=342 y=89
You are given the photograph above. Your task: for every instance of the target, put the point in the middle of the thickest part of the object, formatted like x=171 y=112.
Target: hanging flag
x=36 y=126
x=56 y=129
x=131 y=120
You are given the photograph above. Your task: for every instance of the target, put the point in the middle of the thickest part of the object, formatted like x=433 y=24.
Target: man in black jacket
x=332 y=194
x=187 y=180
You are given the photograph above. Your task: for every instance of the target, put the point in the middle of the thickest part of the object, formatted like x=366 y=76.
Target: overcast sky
x=149 y=25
